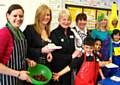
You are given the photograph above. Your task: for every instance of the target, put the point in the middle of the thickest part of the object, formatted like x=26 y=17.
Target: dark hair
x=89 y=41
x=97 y=39
x=13 y=7
x=81 y=16
x=115 y=31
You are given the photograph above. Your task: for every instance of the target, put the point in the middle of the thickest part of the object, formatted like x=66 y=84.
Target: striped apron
x=17 y=62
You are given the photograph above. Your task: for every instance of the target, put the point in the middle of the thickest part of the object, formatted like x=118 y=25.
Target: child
x=116 y=51
x=116 y=47
x=98 y=55
x=86 y=65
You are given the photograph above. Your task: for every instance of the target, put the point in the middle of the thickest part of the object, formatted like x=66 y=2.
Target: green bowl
x=40 y=69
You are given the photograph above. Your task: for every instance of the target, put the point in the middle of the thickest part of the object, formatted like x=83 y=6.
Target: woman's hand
x=23 y=75
x=56 y=76
x=49 y=57
x=46 y=49
x=31 y=63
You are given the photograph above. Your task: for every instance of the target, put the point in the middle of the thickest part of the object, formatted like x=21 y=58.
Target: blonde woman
x=37 y=34
x=101 y=32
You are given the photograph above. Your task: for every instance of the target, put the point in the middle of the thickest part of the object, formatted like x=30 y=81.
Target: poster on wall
x=74 y=11
x=91 y=14
x=56 y=7
x=99 y=12
x=109 y=13
x=2 y=13
x=94 y=3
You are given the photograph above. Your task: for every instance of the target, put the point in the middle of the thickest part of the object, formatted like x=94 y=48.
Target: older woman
x=62 y=36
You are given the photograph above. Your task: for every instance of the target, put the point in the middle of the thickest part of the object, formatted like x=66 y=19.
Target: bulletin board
x=92 y=13
x=102 y=12
x=74 y=11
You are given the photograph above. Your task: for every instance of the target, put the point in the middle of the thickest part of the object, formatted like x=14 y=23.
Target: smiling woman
x=13 y=48
x=37 y=34
x=64 y=37
x=15 y=17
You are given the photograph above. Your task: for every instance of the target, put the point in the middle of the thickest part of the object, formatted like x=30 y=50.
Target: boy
x=86 y=65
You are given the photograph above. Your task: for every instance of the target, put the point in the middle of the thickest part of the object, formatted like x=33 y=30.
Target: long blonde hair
x=40 y=13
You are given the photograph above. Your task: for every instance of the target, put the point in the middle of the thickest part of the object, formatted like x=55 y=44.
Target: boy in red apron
x=86 y=65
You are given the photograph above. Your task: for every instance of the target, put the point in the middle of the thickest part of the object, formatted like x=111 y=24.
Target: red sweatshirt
x=6 y=45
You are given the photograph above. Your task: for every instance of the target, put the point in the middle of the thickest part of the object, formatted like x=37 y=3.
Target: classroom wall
x=30 y=7
x=118 y=2
x=4 y=4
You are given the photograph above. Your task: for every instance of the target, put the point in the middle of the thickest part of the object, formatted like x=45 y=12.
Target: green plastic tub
x=40 y=69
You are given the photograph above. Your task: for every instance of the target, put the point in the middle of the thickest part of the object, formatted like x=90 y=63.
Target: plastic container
x=40 y=69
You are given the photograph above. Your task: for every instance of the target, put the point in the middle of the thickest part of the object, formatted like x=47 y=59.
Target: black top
x=62 y=57
x=35 y=43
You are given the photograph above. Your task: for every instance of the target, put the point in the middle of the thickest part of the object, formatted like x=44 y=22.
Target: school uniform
x=115 y=56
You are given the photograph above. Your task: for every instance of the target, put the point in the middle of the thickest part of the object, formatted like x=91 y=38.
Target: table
x=108 y=81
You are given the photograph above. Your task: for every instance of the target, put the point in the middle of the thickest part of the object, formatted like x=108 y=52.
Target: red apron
x=97 y=66
x=87 y=73
x=96 y=71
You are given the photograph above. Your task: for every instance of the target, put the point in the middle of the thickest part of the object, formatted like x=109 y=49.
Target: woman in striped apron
x=13 y=49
